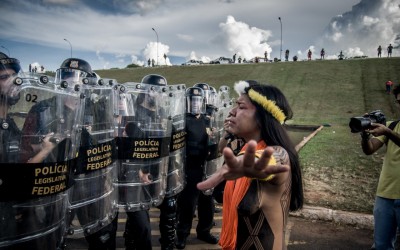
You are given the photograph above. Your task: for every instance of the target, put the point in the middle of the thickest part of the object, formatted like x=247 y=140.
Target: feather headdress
x=242 y=87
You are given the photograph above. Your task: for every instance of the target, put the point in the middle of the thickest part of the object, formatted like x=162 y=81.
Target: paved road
x=302 y=234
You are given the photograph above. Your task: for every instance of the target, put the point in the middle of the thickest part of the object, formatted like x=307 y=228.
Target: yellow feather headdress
x=268 y=105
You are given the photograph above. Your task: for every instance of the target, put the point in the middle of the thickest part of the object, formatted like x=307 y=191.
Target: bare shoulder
x=281 y=155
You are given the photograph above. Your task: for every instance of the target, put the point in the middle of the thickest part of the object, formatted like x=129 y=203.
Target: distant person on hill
x=322 y=53
x=234 y=58
x=265 y=56
x=148 y=62
x=379 y=51
x=388 y=86
x=295 y=59
x=389 y=50
x=309 y=54
x=287 y=55
x=387 y=200
x=240 y=59
x=341 y=56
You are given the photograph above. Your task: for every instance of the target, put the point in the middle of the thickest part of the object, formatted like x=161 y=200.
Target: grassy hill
x=336 y=172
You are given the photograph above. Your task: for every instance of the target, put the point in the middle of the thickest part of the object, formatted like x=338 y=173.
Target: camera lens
x=358 y=124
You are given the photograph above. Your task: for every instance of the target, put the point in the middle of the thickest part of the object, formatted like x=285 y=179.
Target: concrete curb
x=365 y=221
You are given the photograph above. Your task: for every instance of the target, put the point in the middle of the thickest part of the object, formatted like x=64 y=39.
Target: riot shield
x=175 y=174
x=144 y=133
x=39 y=141
x=222 y=106
x=224 y=95
x=93 y=197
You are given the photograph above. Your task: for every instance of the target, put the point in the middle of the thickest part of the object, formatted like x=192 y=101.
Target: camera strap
x=393 y=124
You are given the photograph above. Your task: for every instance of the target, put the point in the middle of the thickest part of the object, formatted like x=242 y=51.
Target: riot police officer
x=147 y=114
x=93 y=195
x=34 y=204
x=9 y=68
x=196 y=155
x=175 y=174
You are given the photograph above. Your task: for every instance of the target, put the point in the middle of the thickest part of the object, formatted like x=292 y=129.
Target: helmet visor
x=70 y=75
x=195 y=105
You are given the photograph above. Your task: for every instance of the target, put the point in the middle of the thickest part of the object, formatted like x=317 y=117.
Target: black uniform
x=42 y=120
x=9 y=142
x=190 y=197
x=6 y=136
x=105 y=238
x=168 y=209
x=138 y=229
x=168 y=212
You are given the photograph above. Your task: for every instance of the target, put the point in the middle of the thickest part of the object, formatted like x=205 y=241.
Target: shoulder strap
x=393 y=124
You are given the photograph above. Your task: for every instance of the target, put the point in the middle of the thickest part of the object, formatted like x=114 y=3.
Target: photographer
x=387 y=202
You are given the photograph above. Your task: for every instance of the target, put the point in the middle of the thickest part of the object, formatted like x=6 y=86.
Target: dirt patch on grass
x=337 y=175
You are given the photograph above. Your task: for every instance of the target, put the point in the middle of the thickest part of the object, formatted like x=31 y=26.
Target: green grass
x=337 y=174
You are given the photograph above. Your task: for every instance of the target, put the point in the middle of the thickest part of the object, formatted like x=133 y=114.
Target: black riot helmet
x=206 y=88
x=9 y=63
x=151 y=97
x=75 y=70
x=195 y=101
x=154 y=79
x=9 y=82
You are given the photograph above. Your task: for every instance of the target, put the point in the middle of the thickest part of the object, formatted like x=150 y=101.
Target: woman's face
x=242 y=120
x=6 y=80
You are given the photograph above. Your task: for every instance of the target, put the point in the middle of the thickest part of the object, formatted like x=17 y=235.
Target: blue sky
x=111 y=34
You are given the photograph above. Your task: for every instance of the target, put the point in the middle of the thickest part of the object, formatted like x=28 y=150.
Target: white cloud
x=156 y=51
x=121 y=30
x=352 y=52
x=360 y=31
x=369 y=21
x=38 y=67
x=247 y=42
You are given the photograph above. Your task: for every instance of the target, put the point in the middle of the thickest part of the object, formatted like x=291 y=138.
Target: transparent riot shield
x=222 y=104
x=39 y=141
x=144 y=133
x=175 y=174
x=93 y=197
x=224 y=95
x=214 y=158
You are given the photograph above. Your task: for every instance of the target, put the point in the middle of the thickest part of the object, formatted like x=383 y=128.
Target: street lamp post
x=69 y=45
x=157 y=43
x=7 y=50
x=280 y=54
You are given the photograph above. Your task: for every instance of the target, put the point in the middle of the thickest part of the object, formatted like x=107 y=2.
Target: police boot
x=180 y=242
x=129 y=241
x=129 y=244
x=168 y=223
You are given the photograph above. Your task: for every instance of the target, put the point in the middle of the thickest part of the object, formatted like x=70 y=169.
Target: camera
x=361 y=123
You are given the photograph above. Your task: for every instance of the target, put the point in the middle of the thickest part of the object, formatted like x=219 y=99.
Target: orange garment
x=233 y=194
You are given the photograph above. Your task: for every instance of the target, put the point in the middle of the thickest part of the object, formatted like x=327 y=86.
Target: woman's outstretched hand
x=244 y=165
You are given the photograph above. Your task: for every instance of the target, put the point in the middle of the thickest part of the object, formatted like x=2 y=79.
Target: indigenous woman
x=264 y=180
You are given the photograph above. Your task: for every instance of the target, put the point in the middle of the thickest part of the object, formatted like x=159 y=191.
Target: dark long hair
x=275 y=134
